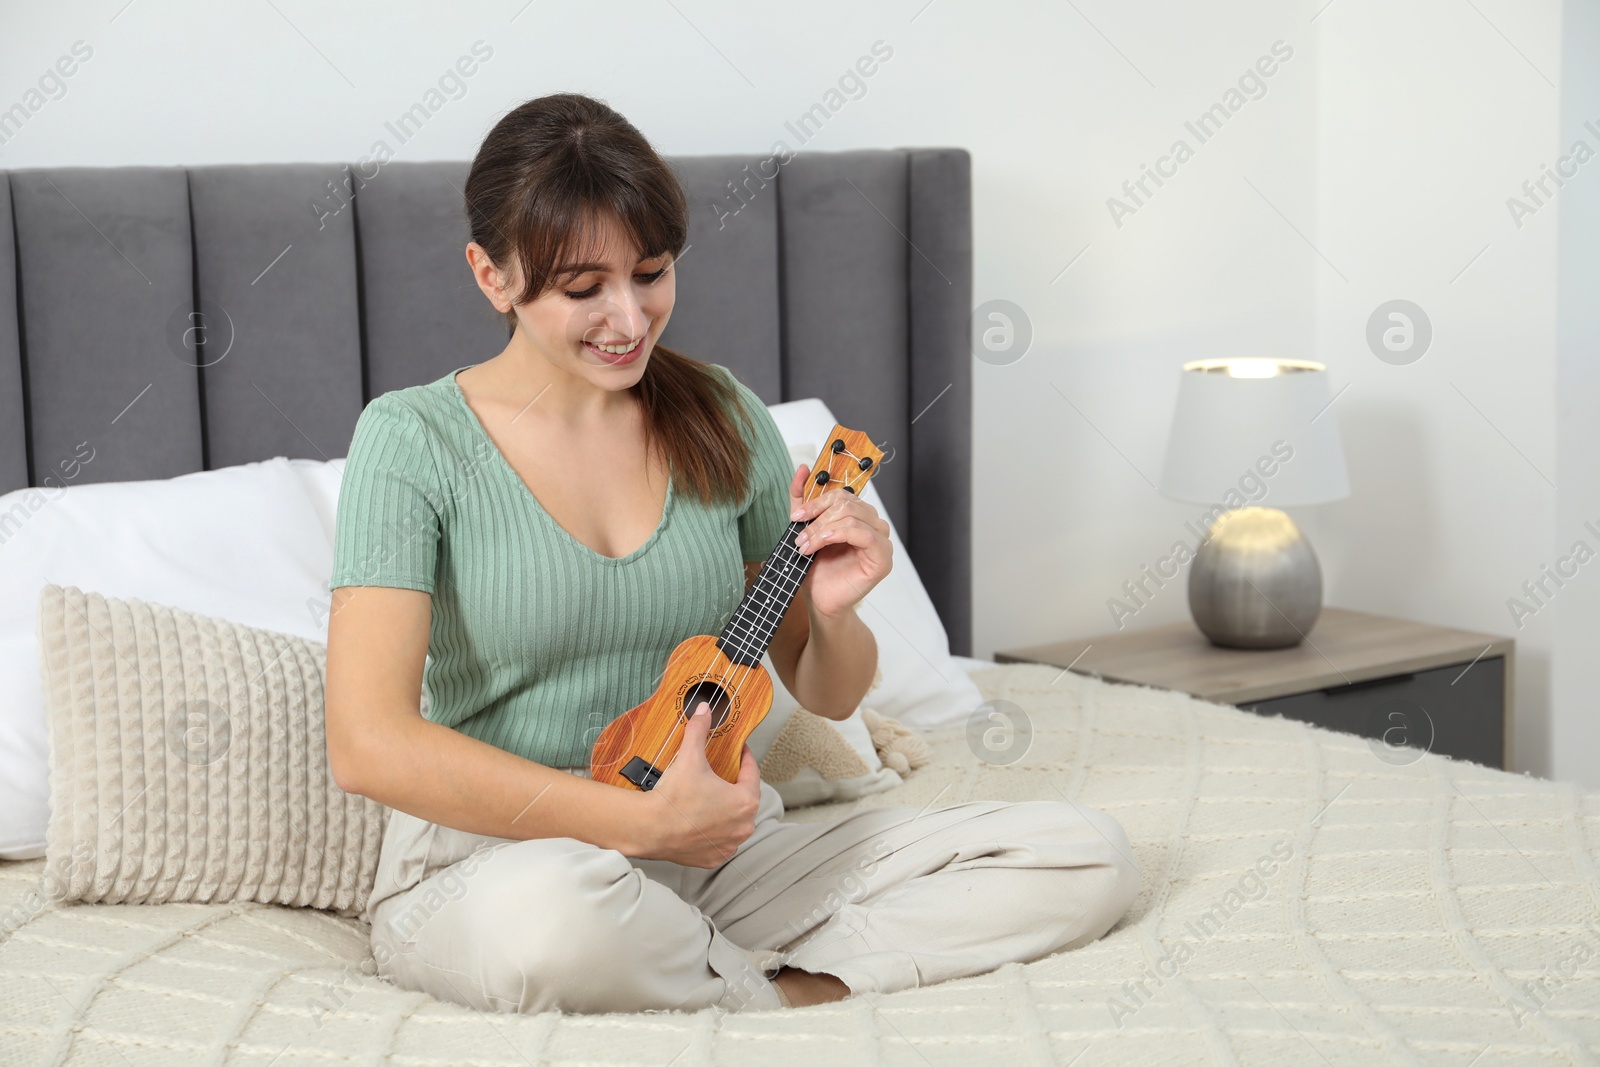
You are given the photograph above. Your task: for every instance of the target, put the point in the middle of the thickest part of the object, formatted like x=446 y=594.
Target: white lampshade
x=1263 y=428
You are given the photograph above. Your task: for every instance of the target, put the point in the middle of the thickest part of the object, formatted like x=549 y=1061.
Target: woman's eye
x=648 y=279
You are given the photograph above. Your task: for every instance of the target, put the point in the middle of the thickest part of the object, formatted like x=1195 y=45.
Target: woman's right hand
x=696 y=818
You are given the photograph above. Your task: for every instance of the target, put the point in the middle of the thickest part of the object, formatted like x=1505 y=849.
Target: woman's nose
x=617 y=318
x=634 y=321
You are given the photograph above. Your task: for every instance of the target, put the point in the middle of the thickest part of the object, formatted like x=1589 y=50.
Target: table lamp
x=1251 y=436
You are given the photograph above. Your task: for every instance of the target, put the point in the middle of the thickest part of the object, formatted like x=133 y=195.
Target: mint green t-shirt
x=537 y=642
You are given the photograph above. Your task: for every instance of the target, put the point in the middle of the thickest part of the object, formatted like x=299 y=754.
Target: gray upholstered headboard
x=845 y=276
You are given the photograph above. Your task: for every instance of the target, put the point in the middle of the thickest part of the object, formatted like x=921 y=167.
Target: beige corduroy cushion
x=187 y=762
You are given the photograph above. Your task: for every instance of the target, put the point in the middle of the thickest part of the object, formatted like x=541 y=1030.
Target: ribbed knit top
x=537 y=641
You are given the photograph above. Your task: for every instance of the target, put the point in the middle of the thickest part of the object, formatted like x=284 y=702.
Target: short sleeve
x=388 y=524
x=765 y=514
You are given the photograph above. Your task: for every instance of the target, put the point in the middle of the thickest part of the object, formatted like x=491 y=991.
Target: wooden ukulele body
x=637 y=746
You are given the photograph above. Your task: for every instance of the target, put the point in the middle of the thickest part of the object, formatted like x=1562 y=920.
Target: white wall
x=1574 y=627
x=1387 y=144
x=1431 y=114
x=1071 y=438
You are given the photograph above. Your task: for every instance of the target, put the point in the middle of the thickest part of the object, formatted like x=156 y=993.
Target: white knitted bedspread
x=1436 y=912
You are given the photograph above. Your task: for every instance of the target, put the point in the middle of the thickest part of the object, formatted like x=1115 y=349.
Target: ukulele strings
x=722 y=681
x=788 y=586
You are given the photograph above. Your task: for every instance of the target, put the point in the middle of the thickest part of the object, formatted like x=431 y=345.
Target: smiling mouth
x=617 y=353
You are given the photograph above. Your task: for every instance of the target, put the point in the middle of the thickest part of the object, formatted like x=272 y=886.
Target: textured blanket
x=1308 y=898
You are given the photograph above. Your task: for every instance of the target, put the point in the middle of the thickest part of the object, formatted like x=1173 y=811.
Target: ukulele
x=725 y=671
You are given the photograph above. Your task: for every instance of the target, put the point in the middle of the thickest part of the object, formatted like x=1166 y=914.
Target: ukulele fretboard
x=748 y=634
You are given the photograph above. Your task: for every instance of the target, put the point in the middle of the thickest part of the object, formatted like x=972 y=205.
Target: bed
x=1306 y=896
x=1429 y=912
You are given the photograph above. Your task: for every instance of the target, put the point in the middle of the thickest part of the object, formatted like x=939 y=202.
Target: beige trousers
x=884 y=899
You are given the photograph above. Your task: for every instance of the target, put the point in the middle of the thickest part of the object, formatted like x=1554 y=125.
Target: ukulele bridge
x=640 y=773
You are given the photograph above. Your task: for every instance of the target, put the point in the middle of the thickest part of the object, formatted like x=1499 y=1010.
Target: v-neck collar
x=505 y=465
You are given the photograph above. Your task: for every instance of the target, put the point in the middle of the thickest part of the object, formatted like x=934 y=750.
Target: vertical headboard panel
x=729 y=304
x=422 y=313
x=939 y=229
x=105 y=273
x=13 y=420
x=846 y=328
x=281 y=294
x=842 y=275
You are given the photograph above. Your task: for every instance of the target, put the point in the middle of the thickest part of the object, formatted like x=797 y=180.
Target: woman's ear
x=489 y=277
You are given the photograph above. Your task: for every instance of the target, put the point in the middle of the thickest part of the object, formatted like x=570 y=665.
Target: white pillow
x=322 y=481
x=923 y=686
x=243 y=543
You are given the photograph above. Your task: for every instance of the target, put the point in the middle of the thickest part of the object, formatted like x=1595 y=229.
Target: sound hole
x=713 y=694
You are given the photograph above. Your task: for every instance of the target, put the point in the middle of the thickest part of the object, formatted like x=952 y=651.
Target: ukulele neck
x=748 y=634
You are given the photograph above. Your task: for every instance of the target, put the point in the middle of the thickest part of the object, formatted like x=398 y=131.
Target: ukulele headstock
x=847 y=461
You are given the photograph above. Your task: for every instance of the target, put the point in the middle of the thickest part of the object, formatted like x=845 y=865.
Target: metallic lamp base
x=1255 y=582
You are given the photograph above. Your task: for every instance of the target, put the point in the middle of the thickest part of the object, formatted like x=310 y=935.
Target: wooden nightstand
x=1406 y=683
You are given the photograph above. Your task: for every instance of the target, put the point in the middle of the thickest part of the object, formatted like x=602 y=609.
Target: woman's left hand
x=848 y=542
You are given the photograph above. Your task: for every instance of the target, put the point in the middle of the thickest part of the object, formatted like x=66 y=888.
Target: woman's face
x=602 y=316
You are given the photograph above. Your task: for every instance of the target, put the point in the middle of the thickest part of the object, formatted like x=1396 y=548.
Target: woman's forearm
x=442 y=775
x=836 y=664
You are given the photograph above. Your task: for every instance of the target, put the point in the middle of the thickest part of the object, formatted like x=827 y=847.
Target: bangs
x=555 y=229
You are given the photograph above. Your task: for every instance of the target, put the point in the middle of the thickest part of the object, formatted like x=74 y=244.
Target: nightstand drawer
x=1456 y=714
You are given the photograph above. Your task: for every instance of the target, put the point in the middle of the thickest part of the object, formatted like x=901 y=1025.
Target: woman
x=535 y=533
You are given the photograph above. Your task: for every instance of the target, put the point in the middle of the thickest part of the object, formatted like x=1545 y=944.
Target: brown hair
x=539 y=187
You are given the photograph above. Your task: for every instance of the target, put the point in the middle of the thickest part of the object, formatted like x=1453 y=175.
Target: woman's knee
x=545 y=904
x=1107 y=826
x=1121 y=876
x=523 y=926
x=1087 y=847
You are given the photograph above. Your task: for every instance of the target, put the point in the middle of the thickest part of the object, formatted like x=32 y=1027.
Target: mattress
x=1421 y=911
